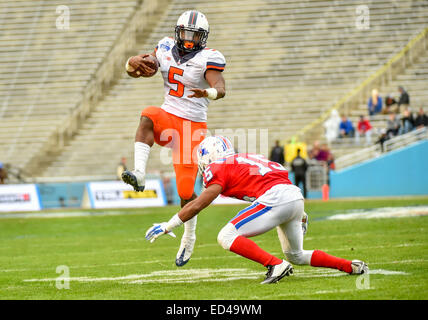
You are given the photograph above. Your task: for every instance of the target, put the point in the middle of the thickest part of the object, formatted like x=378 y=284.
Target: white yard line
x=347 y=248
x=206 y=275
x=378 y=213
x=170 y=261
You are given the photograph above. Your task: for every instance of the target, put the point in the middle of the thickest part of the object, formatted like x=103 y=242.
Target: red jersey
x=364 y=126
x=245 y=176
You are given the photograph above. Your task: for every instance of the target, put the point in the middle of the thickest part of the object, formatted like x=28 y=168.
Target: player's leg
x=291 y=238
x=189 y=236
x=254 y=220
x=186 y=169
x=153 y=120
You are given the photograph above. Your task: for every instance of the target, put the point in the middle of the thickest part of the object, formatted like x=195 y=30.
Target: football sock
x=141 y=154
x=250 y=250
x=190 y=227
x=321 y=259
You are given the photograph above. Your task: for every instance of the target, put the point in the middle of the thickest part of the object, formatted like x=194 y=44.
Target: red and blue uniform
x=246 y=177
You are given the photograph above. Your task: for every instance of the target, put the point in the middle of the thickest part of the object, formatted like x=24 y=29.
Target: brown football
x=149 y=61
x=152 y=63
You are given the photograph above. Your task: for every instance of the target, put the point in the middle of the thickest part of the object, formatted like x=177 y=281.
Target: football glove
x=156 y=231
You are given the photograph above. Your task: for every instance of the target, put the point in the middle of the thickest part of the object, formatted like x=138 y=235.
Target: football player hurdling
x=276 y=202
x=192 y=75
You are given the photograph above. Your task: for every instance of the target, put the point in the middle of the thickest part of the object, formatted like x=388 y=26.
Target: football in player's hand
x=143 y=65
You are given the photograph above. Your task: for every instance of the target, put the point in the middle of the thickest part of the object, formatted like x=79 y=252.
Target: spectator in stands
x=392 y=126
x=3 y=174
x=313 y=153
x=389 y=102
x=364 y=128
x=299 y=167
x=331 y=126
x=330 y=162
x=375 y=103
x=323 y=153
x=121 y=167
x=346 y=128
x=382 y=138
x=277 y=153
x=404 y=98
x=407 y=122
x=421 y=119
x=330 y=166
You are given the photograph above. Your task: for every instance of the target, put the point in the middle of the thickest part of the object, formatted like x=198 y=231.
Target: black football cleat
x=135 y=179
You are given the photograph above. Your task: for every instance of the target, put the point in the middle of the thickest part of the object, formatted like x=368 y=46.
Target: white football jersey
x=183 y=73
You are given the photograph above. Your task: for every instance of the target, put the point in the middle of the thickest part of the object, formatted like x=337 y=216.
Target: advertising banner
x=19 y=197
x=117 y=194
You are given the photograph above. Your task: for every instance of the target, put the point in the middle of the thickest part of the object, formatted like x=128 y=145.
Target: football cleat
x=134 y=178
x=277 y=272
x=185 y=251
x=359 y=267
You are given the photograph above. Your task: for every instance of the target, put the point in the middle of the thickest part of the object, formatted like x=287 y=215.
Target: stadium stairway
x=287 y=62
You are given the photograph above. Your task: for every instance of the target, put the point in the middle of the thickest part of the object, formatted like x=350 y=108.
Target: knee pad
x=227 y=235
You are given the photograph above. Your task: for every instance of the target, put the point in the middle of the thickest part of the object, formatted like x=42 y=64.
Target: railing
x=316 y=176
x=376 y=150
x=405 y=139
x=382 y=76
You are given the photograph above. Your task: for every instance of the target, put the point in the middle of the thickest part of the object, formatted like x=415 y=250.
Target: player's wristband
x=128 y=67
x=212 y=93
x=174 y=222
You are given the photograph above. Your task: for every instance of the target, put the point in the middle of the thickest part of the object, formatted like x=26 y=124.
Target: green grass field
x=108 y=257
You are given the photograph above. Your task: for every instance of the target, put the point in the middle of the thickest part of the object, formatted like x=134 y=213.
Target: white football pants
x=259 y=218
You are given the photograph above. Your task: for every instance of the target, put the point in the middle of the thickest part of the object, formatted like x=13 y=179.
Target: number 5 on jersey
x=171 y=78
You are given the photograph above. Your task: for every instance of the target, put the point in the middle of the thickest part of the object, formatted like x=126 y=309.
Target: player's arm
x=217 y=88
x=190 y=210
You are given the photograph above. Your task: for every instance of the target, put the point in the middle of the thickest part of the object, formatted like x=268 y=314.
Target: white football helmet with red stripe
x=191 y=31
x=212 y=149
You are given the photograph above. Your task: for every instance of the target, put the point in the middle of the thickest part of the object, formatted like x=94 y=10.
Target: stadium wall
x=399 y=173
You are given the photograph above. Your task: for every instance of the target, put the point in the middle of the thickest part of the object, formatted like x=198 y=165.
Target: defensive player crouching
x=192 y=77
x=278 y=203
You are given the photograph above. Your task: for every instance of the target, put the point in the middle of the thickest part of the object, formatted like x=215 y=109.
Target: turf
x=109 y=247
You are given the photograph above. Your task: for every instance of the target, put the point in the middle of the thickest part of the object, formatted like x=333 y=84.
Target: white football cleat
x=185 y=251
x=359 y=267
x=277 y=272
x=135 y=178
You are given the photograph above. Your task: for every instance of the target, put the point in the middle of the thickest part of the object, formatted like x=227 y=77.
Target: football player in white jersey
x=192 y=76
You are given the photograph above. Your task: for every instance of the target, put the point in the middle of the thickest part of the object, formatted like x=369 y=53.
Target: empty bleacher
x=45 y=67
x=287 y=62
